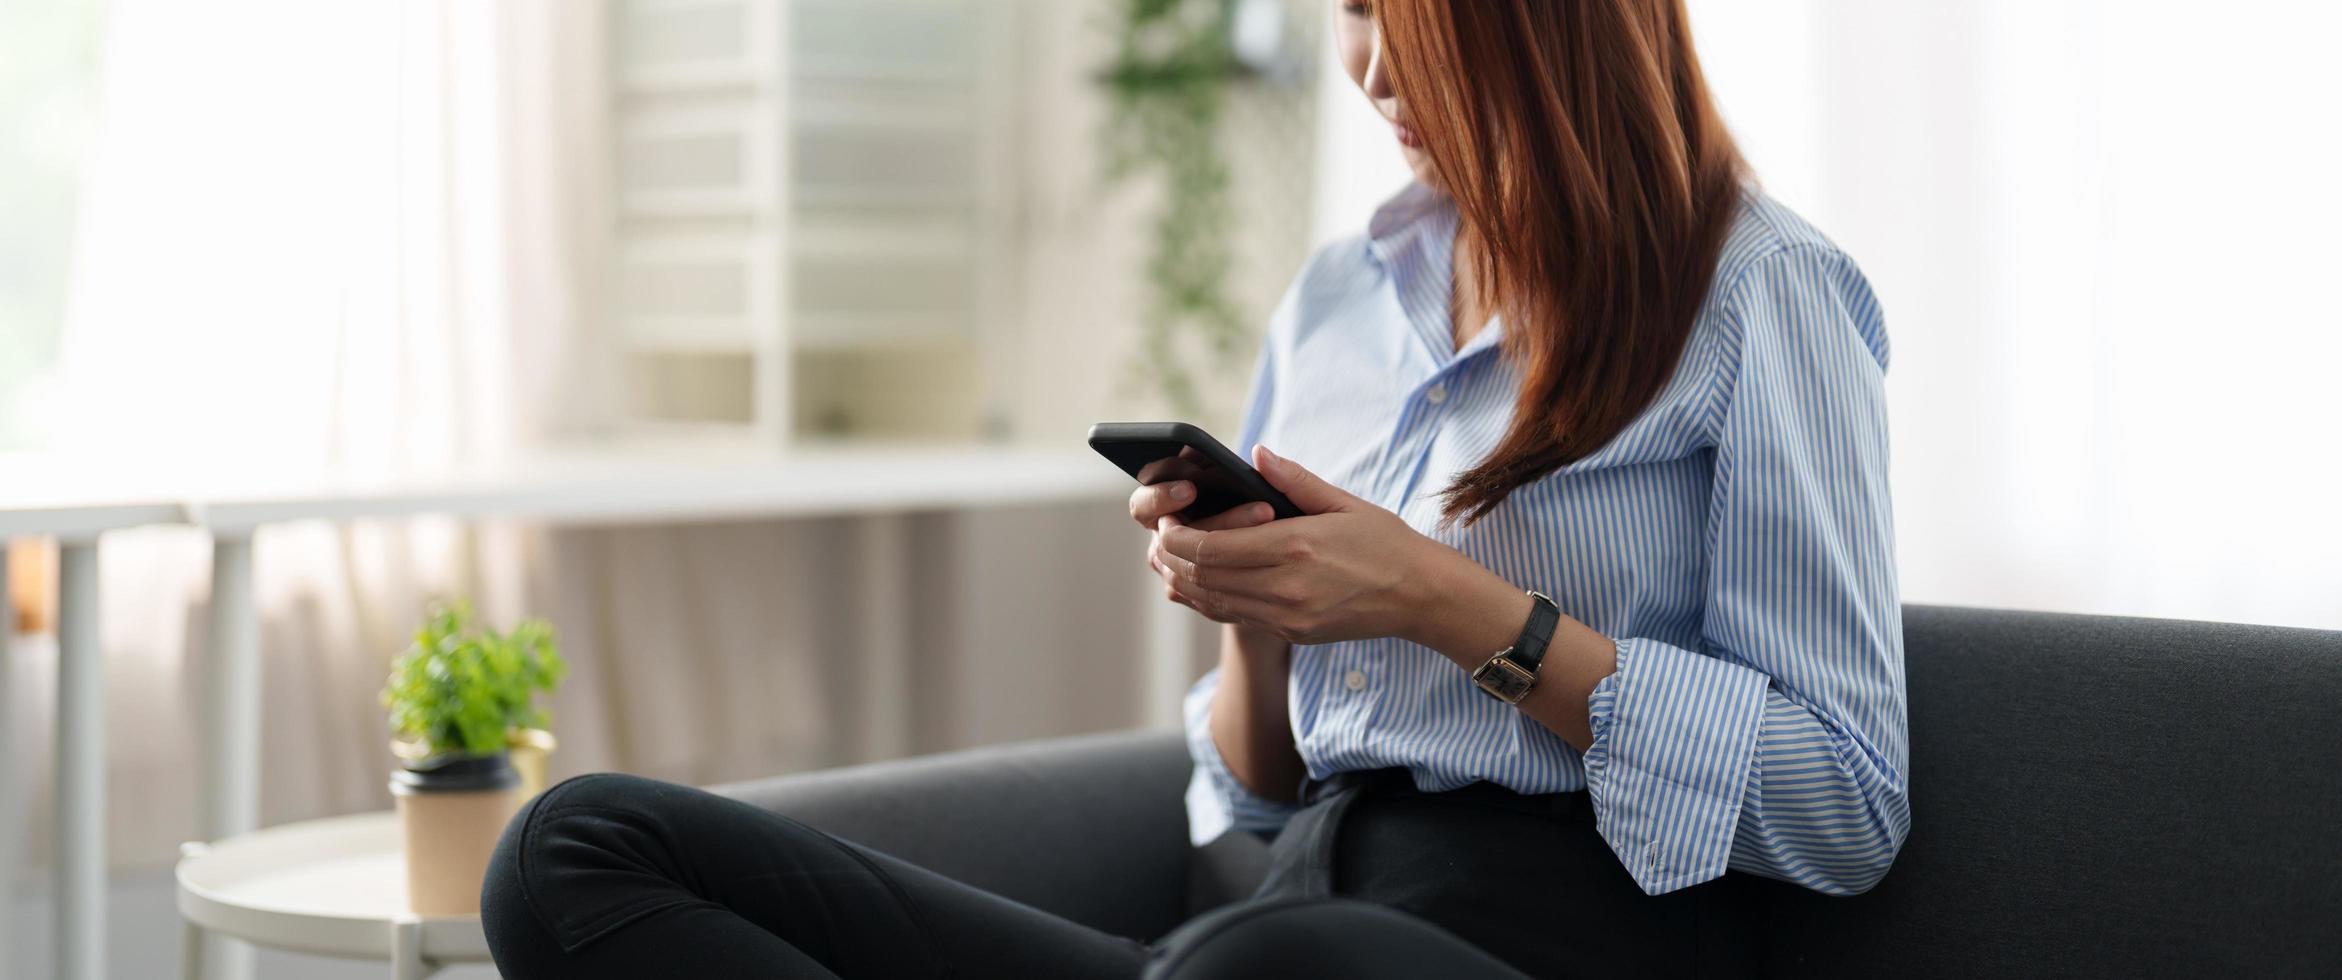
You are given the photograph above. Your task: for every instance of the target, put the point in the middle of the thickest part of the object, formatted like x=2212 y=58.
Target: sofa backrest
x=2096 y=796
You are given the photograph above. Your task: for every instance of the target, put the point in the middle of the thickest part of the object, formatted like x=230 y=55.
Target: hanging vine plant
x=1168 y=84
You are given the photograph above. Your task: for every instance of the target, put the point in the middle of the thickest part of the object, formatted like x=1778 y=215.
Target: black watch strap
x=1510 y=674
x=1529 y=650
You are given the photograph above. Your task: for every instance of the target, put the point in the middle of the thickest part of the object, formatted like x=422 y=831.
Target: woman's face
x=1359 y=42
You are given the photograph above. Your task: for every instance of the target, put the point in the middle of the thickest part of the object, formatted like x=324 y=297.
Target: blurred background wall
x=2099 y=228
x=250 y=235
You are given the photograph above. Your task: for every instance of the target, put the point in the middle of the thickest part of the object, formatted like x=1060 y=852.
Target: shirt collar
x=1413 y=236
x=1405 y=213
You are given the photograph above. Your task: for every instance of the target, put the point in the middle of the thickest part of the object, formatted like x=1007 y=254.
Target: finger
x=1269 y=585
x=1248 y=611
x=1183 y=542
x=1179 y=582
x=1247 y=515
x=1259 y=589
x=1274 y=543
x=1307 y=490
x=1172 y=593
x=1149 y=503
x=1171 y=562
x=1209 y=614
x=1189 y=597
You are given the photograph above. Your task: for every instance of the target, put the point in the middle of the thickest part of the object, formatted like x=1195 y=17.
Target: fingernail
x=1182 y=490
x=1271 y=456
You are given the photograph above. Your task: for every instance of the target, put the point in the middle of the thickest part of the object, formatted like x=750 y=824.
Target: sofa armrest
x=1091 y=828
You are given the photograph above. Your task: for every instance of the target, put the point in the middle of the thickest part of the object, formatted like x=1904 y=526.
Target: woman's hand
x=1157 y=507
x=1347 y=570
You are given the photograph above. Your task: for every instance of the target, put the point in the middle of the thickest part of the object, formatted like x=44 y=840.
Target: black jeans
x=615 y=876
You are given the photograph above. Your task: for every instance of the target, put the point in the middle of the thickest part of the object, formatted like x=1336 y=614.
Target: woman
x=1584 y=423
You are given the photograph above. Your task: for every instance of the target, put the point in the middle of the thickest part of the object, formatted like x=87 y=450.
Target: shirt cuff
x=1675 y=734
x=1217 y=801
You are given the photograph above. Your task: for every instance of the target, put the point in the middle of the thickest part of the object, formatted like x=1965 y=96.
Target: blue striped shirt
x=1735 y=540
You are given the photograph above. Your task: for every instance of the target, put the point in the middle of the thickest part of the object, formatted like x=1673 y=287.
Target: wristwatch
x=1510 y=674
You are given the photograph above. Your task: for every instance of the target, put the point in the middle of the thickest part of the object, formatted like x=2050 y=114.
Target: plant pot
x=531 y=749
x=451 y=809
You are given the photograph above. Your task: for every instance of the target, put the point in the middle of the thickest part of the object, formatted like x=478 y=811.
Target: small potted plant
x=456 y=698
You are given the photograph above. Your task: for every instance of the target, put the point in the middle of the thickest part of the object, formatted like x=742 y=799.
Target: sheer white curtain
x=363 y=235
x=294 y=246
x=317 y=236
x=2104 y=234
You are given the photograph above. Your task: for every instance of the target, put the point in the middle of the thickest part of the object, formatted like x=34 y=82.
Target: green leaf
x=1168 y=87
x=460 y=687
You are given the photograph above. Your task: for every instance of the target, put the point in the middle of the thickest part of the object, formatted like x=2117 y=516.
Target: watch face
x=1505 y=680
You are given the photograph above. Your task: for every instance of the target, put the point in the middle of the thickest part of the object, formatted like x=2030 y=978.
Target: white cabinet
x=806 y=188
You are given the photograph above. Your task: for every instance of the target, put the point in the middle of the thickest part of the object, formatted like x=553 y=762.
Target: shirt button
x=1354 y=680
x=1436 y=395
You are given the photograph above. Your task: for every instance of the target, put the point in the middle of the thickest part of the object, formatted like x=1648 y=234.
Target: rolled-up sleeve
x=1779 y=746
x=1216 y=801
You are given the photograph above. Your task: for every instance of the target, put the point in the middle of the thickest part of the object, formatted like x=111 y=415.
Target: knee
x=561 y=839
x=1323 y=937
x=601 y=790
x=580 y=820
x=539 y=838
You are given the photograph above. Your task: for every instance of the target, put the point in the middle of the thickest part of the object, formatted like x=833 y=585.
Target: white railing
x=881 y=487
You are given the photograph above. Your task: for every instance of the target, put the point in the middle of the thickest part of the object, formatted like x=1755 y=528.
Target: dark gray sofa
x=2091 y=796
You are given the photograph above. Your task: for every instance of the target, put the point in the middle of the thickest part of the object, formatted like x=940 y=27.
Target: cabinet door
x=692 y=161
x=909 y=41
x=667 y=45
x=692 y=293
x=897 y=118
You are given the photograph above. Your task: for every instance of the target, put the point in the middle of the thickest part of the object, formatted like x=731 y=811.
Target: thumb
x=1307 y=490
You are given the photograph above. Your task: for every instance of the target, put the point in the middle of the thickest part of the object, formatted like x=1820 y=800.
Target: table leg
x=229 y=791
x=406 y=951
x=191 y=966
x=81 y=767
x=883 y=553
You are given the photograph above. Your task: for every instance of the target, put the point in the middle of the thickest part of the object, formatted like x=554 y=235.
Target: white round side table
x=334 y=887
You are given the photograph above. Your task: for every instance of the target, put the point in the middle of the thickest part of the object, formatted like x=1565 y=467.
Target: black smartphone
x=1157 y=452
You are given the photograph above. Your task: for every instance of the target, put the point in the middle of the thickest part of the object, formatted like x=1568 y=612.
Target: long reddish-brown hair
x=1595 y=183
